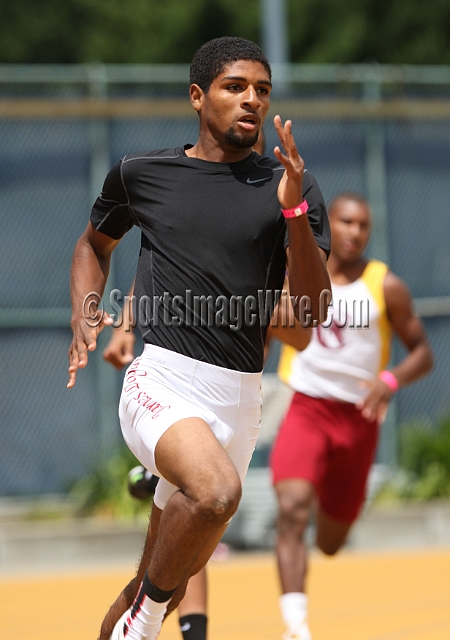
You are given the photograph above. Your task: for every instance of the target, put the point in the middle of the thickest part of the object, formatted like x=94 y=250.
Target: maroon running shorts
x=330 y=444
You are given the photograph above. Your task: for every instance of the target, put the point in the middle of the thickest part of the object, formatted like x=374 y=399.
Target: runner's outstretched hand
x=290 y=189
x=85 y=331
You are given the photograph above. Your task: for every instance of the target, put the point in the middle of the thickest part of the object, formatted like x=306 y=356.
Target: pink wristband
x=389 y=378
x=297 y=211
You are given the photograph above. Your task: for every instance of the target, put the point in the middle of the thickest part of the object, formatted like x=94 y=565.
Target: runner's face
x=236 y=104
x=350 y=224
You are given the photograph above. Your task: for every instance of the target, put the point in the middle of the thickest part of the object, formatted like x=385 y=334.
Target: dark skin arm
x=285 y=327
x=90 y=268
x=120 y=349
x=308 y=275
x=410 y=330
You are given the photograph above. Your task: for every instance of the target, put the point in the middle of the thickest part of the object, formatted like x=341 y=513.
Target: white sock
x=294 y=609
x=145 y=620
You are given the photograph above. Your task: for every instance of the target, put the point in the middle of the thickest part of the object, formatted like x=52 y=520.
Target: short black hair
x=212 y=58
x=353 y=196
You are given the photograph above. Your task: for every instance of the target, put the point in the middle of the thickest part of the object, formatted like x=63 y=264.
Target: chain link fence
x=382 y=131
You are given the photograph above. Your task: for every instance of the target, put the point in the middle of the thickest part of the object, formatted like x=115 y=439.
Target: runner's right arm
x=90 y=268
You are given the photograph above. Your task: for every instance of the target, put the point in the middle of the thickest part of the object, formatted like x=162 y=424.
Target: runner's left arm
x=308 y=275
x=284 y=326
x=410 y=330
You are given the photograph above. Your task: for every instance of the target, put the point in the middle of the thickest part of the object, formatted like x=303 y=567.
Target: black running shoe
x=141 y=483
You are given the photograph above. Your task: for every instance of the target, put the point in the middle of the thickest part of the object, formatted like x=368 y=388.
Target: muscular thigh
x=301 y=447
x=189 y=456
x=353 y=446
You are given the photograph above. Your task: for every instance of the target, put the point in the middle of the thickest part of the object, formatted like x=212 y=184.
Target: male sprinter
x=192 y=610
x=327 y=442
x=213 y=222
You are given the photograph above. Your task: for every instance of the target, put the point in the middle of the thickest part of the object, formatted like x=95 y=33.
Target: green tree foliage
x=113 y=31
x=386 y=31
x=104 y=491
x=158 y=31
x=422 y=446
x=44 y=31
x=424 y=457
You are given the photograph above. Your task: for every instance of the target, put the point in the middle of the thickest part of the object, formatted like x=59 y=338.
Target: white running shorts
x=162 y=387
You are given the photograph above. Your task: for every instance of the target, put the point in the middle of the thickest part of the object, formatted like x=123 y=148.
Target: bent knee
x=294 y=503
x=331 y=544
x=218 y=504
x=329 y=549
x=331 y=533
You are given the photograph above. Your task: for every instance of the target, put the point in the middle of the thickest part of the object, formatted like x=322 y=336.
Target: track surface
x=395 y=596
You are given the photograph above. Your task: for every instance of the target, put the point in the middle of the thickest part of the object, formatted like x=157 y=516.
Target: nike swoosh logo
x=185 y=627
x=259 y=180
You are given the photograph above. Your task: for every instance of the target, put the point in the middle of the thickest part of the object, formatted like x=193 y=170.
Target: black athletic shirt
x=212 y=249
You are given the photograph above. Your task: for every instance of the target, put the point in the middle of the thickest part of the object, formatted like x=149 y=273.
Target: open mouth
x=248 y=122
